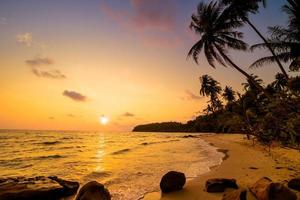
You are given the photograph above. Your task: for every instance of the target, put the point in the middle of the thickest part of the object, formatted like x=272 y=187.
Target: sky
x=66 y=63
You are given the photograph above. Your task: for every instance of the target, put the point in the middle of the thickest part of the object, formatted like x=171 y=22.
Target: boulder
x=37 y=188
x=240 y=194
x=220 y=184
x=93 y=191
x=294 y=184
x=172 y=181
x=189 y=136
x=265 y=189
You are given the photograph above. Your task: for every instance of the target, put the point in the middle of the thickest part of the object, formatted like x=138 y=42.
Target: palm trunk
x=249 y=77
x=269 y=47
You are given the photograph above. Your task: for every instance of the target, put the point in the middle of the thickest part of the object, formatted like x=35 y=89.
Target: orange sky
x=65 y=64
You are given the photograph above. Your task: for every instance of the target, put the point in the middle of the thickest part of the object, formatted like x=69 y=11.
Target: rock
x=93 y=191
x=235 y=195
x=189 y=136
x=220 y=184
x=294 y=184
x=265 y=189
x=37 y=188
x=172 y=181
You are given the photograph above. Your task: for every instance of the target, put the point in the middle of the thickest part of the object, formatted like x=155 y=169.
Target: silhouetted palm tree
x=280 y=82
x=211 y=88
x=249 y=84
x=216 y=29
x=240 y=9
x=229 y=94
x=285 y=41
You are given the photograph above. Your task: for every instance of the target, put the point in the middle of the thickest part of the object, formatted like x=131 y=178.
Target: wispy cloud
x=76 y=96
x=40 y=67
x=3 y=21
x=128 y=114
x=149 y=19
x=39 y=61
x=25 y=38
x=54 y=74
x=191 y=96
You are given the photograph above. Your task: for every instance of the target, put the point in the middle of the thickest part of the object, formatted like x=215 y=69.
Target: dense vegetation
x=271 y=112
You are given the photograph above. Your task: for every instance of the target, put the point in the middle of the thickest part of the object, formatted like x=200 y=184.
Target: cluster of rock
x=49 y=188
x=263 y=189
x=54 y=188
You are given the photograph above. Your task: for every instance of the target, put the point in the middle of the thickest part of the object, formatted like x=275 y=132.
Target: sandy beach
x=244 y=162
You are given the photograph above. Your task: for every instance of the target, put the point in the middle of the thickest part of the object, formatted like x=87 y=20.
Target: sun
x=104 y=120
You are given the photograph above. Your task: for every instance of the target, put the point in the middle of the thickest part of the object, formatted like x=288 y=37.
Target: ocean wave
x=160 y=142
x=97 y=174
x=120 y=151
x=56 y=156
x=51 y=142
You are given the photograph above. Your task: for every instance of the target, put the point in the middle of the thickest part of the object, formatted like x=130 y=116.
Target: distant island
x=221 y=123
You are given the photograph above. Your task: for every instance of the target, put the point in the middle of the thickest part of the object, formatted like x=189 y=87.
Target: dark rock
x=172 y=181
x=220 y=184
x=37 y=188
x=235 y=195
x=254 y=168
x=189 y=136
x=93 y=191
x=265 y=189
x=294 y=184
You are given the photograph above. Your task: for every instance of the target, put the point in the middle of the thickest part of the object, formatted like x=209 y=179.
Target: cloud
x=71 y=115
x=40 y=68
x=54 y=74
x=51 y=118
x=3 y=21
x=128 y=114
x=75 y=96
x=150 y=20
x=39 y=61
x=191 y=96
x=25 y=38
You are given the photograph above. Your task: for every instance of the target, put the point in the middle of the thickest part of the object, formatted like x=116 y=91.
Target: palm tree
x=240 y=10
x=285 y=41
x=211 y=88
x=229 y=94
x=280 y=82
x=216 y=29
x=249 y=86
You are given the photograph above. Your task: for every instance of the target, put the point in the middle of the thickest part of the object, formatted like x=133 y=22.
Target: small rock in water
x=265 y=189
x=220 y=184
x=294 y=184
x=93 y=191
x=240 y=194
x=36 y=188
x=172 y=181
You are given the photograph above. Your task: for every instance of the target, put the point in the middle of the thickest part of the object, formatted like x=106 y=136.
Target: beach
x=244 y=162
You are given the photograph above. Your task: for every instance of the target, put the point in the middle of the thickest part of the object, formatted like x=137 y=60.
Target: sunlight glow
x=104 y=120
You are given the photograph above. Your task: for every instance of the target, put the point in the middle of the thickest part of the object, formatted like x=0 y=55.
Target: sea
x=129 y=164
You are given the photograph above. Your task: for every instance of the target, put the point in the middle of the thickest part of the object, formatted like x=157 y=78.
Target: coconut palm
x=249 y=84
x=211 y=88
x=280 y=82
x=213 y=24
x=240 y=10
x=229 y=94
x=285 y=41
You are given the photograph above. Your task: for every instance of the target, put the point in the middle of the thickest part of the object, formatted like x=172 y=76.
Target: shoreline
x=242 y=161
